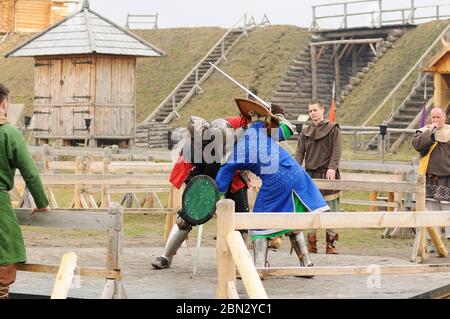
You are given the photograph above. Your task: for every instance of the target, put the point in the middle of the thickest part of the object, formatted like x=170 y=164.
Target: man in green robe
x=14 y=155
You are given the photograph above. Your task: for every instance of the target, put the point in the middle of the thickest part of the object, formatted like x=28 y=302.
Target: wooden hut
x=440 y=66
x=85 y=68
x=32 y=15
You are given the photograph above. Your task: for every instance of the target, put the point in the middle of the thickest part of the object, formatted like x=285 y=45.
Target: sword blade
x=242 y=87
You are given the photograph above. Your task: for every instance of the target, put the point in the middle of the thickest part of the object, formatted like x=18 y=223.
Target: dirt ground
x=356 y=247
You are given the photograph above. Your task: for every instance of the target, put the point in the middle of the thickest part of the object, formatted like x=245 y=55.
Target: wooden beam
x=88 y=272
x=64 y=276
x=402 y=187
x=245 y=266
x=320 y=53
x=354 y=60
x=341 y=220
x=337 y=71
x=368 y=203
x=355 y=270
x=109 y=179
x=373 y=49
x=314 y=72
x=344 y=50
x=73 y=219
x=346 y=41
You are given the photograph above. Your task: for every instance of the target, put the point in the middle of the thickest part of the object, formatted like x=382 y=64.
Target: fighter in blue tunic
x=286 y=187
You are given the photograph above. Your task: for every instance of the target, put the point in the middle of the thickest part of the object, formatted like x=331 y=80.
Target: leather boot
x=260 y=249
x=331 y=249
x=4 y=292
x=312 y=243
x=176 y=238
x=298 y=244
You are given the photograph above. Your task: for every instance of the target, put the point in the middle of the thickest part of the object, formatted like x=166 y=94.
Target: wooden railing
x=110 y=219
x=232 y=252
x=142 y=19
x=379 y=16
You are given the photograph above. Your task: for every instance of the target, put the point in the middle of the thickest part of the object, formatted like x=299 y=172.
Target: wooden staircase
x=295 y=91
x=408 y=114
x=155 y=131
x=191 y=84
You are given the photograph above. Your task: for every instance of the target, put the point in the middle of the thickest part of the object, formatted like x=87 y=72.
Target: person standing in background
x=320 y=147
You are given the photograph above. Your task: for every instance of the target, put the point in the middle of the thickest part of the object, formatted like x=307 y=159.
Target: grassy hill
x=379 y=82
x=157 y=77
x=260 y=61
x=17 y=73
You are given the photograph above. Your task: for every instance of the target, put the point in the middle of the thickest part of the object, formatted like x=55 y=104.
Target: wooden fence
x=231 y=250
x=378 y=13
x=110 y=219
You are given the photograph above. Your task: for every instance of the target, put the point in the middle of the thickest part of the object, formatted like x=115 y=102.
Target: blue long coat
x=282 y=177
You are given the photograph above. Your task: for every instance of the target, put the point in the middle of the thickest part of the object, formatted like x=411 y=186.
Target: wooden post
x=391 y=199
x=79 y=169
x=373 y=197
x=420 y=206
x=104 y=200
x=354 y=61
x=337 y=72
x=46 y=157
x=345 y=16
x=314 y=72
x=114 y=288
x=380 y=10
x=244 y=263
x=225 y=264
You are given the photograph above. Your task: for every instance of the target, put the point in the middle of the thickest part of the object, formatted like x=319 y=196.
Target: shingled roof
x=85 y=32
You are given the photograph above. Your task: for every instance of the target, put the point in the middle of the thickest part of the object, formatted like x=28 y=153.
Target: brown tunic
x=438 y=171
x=321 y=148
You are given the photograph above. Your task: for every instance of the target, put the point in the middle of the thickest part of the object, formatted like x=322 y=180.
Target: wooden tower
x=85 y=69
x=32 y=15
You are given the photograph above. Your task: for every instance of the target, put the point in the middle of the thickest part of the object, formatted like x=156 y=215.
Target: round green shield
x=199 y=200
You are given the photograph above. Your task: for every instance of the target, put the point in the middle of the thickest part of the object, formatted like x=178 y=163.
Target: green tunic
x=14 y=155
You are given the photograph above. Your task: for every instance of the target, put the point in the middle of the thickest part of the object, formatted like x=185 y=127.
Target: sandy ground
x=142 y=281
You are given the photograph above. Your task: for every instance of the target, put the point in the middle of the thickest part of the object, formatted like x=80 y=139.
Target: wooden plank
x=403 y=187
x=245 y=266
x=342 y=220
x=376 y=166
x=64 y=276
x=110 y=179
x=355 y=270
x=74 y=219
x=367 y=203
x=347 y=41
x=88 y=272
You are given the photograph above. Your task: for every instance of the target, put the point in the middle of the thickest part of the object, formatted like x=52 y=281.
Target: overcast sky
x=224 y=13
